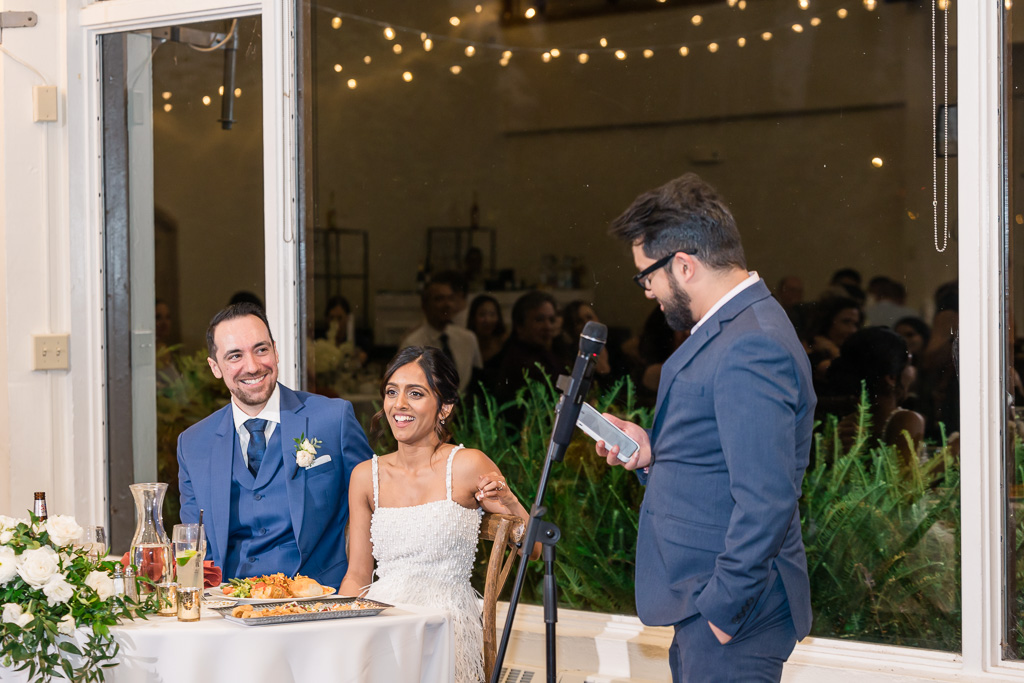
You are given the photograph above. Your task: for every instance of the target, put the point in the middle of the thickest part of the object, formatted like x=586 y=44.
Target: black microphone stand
x=574 y=390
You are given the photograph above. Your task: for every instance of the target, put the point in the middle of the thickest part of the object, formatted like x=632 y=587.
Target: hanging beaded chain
x=945 y=129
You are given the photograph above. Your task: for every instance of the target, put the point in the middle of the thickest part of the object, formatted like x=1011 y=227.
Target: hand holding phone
x=597 y=427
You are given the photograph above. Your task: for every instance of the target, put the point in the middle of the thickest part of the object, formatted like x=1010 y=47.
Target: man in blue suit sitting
x=270 y=506
x=719 y=551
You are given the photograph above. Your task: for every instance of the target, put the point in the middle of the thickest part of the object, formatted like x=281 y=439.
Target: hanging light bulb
x=712 y=47
x=870 y=5
x=683 y=51
x=620 y=55
x=815 y=21
x=546 y=57
x=456 y=69
x=238 y=92
x=351 y=84
x=877 y=162
x=797 y=28
x=583 y=58
x=530 y=13
x=220 y=91
x=168 y=107
x=841 y=12
x=943 y=5
x=336 y=23
x=804 y=4
x=454 y=21
x=731 y=3
x=407 y=76
x=741 y=41
x=603 y=42
x=766 y=36
x=397 y=48
x=648 y=53
x=428 y=45
x=507 y=54
x=206 y=100
x=1009 y=5
x=389 y=33
x=478 y=9
x=367 y=59
x=470 y=50
x=696 y=19
x=337 y=68
x=556 y=53
x=166 y=94
x=742 y=4
x=424 y=36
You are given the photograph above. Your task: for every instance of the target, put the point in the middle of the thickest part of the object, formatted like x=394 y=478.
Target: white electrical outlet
x=51 y=352
x=44 y=103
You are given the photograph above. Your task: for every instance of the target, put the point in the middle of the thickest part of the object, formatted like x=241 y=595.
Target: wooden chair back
x=505 y=533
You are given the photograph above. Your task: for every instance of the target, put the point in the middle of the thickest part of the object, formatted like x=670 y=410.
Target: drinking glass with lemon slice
x=189 y=551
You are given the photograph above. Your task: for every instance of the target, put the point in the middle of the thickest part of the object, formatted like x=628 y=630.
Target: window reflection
x=496 y=148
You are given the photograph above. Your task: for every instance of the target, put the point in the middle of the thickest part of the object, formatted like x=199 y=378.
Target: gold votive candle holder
x=189 y=602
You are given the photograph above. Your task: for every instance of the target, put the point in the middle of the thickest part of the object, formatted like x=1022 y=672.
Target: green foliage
x=883 y=542
x=595 y=506
x=48 y=588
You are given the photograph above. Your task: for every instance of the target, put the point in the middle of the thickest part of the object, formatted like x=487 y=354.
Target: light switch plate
x=50 y=352
x=44 y=103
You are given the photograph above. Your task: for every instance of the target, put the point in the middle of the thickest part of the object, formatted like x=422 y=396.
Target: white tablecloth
x=404 y=643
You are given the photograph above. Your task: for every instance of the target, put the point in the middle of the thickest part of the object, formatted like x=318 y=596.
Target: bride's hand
x=494 y=494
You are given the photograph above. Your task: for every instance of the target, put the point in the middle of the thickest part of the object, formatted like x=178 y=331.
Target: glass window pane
x=481 y=141
x=193 y=234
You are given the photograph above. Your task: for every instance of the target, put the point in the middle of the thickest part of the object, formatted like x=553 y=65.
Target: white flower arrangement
x=49 y=587
x=305 y=451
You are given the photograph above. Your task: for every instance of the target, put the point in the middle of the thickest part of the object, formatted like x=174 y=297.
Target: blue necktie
x=257 y=443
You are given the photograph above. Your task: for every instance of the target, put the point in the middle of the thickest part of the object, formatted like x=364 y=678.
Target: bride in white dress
x=417 y=511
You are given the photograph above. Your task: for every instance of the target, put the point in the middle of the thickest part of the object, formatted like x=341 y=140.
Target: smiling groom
x=268 y=507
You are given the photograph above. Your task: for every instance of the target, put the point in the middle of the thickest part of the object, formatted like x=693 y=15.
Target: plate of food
x=270 y=588
x=260 y=613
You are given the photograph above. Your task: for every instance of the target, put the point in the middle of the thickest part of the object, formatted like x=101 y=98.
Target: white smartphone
x=597 y=427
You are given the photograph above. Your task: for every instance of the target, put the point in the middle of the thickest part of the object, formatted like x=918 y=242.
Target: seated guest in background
x=878 y=358
x=339 y=322
x=417 y=511
x=575 y=316
x=656 y=343
x=458 y=343
x=789 y=292
x=269 y=506
x=838 y=318
x=486 y=323
x=887 y=299
x=534 y=326
x=916 y=333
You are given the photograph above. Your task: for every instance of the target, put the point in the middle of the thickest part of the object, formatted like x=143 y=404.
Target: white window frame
x=85 y=104
x=981 y=339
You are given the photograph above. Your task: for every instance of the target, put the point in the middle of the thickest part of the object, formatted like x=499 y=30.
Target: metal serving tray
x=368 y=608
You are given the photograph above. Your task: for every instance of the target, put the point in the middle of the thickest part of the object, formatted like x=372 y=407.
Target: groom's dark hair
x=230 y=313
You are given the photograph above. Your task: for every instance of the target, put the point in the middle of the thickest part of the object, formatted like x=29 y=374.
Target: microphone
x=592 y=340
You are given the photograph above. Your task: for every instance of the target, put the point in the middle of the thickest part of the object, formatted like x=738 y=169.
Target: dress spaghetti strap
x=376 y=486
x=448 y=475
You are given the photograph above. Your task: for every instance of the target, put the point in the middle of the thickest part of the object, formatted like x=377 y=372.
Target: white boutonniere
x=305 y=451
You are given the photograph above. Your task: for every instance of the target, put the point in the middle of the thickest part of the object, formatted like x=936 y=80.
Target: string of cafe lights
x=582 y=53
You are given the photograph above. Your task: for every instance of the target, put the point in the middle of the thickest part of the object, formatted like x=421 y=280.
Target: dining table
x=402 y=643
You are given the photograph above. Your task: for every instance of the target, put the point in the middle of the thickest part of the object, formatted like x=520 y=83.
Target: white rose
x=308 y=447
x=24 y=620
x=304 y=458
x=67 y=625
x=57 y=590
x=12 y=612
x=63 y=529
x=101 y=583
x=8 y=564
x=37 y=566
x=7 y=522
x=39 y=528
x=5 y=536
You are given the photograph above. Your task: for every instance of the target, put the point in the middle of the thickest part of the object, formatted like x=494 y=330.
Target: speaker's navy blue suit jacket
x=730 y=442
x=317 y=497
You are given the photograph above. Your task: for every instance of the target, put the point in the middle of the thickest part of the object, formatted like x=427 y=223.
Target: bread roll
x=305 y=587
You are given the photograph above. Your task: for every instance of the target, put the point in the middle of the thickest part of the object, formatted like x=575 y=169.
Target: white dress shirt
x=752 y=277
x=271 y=413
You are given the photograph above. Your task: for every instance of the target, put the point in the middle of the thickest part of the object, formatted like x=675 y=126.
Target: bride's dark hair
x=442 y=377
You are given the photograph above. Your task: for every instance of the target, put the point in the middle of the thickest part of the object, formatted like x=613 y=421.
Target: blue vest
x=260 y=535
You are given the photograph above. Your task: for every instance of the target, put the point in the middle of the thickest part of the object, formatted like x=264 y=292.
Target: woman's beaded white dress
x=425 y=556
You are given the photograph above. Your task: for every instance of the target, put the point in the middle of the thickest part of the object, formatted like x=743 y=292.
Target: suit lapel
x=708 y=331
x=223 y=452
x=293 y=424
